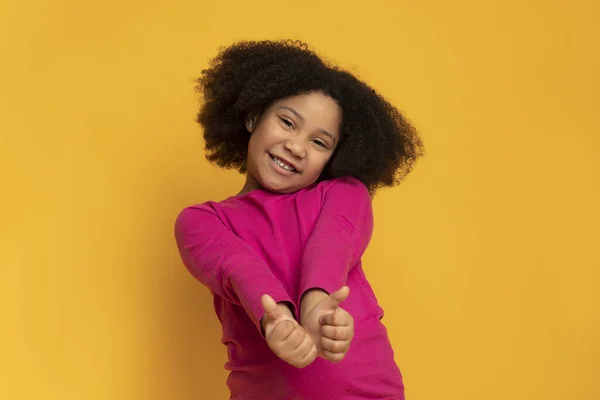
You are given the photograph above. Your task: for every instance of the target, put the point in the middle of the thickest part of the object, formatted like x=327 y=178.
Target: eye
x=321 y=143
x=287 y=122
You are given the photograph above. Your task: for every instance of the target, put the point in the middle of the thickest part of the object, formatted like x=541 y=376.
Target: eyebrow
x=300 y=117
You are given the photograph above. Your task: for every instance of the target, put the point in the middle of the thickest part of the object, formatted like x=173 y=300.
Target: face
x=291 y=142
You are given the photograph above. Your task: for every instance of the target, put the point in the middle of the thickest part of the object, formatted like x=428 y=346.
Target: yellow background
x=485 y=259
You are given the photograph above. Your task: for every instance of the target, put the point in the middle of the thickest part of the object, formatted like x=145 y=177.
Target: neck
x=249 y=186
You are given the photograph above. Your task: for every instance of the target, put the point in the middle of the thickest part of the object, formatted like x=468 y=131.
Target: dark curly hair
x=378 y=146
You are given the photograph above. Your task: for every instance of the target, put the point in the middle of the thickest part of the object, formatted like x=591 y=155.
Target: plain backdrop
x=485 y=259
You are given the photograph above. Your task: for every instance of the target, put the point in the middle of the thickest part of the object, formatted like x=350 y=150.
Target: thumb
x=270 y=306
x=337 y=297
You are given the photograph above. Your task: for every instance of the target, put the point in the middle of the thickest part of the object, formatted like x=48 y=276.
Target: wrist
x=310 y=298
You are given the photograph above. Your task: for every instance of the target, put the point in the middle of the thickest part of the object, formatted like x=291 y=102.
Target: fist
x=337 y=331
x=284 y=336
x=330 y=326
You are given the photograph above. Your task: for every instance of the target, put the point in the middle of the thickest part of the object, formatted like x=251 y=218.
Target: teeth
x=283 y=165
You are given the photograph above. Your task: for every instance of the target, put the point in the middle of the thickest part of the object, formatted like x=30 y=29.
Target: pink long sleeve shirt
x=284 y=245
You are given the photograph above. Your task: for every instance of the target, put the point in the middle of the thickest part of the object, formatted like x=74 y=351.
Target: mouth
x=283 y=164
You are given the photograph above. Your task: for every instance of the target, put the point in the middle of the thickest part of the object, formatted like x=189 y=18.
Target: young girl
x=283 y=254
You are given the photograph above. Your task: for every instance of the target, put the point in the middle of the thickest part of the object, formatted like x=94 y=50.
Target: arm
x=339 y=239
x=225 y=263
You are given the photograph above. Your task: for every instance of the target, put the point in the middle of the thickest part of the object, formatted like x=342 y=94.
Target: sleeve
x=225 y=263
x=339 y=239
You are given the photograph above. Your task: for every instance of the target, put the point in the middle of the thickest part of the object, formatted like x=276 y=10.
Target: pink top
x=283 y=245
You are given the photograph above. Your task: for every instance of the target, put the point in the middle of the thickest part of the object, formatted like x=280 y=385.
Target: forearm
x=340 y=237
x=224 y=263
x=326 y=265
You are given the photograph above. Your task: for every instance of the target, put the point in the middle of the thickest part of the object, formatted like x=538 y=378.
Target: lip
x=285 y=160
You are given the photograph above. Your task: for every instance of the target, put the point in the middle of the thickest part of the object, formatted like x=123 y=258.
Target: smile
x=282 y=164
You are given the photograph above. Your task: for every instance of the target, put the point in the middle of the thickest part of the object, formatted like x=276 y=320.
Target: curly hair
x=378 y=146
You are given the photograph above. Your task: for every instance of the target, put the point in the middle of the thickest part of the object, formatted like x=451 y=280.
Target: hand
x=330 y=326
x=288 y=340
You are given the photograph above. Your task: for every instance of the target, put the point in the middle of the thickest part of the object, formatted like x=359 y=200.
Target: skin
x=330 y=326
x=325 y=331
x=301 y=132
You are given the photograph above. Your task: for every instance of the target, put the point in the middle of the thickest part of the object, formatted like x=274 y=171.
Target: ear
x=251 y=123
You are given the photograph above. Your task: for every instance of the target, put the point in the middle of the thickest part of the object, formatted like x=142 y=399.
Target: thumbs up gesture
x=330 y=326
x=288 y=340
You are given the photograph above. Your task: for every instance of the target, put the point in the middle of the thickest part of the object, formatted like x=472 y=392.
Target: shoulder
x=343 y=192
x=193 y=214
x=227 y=211
x=348 y=187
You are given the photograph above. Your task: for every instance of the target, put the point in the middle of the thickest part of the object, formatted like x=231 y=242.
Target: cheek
x=252 y=157
x=254 y=146
x=263 y=138
x=320 y=161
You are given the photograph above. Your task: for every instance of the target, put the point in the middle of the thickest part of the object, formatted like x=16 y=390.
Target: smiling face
x=291 y=142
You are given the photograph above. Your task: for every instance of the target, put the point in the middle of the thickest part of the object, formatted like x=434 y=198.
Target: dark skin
x=279 y=113
x=376 y=145
x=288 y=340
x=302 y=132
x=325 y=329
x=290 y=144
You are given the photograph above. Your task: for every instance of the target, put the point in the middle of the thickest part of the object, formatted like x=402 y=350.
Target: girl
x=279 y=257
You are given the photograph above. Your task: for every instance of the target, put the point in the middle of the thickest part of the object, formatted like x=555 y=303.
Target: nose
x=296 y=146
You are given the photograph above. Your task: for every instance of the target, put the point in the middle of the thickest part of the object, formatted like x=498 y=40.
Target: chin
x=277 y=187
